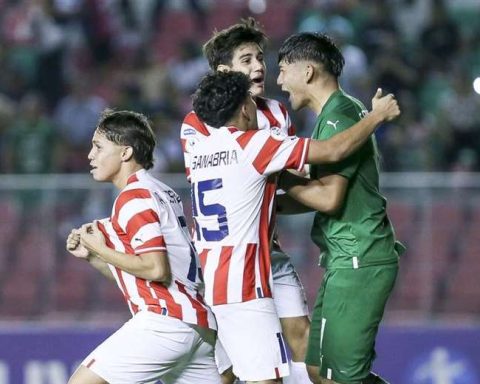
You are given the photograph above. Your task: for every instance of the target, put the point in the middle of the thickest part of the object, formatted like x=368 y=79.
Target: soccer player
x=240 y=48
x=232 y=196
x=351 y=227
x=146 y=248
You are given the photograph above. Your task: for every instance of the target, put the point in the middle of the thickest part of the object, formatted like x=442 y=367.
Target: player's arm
x=149 y=265
x=78 y=250
x=287 y=205
x=345 y=143
x=325 y=194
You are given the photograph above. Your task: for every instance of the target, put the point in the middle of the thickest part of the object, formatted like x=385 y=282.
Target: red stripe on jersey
x=266 y=230
x=184 y=144
x=296 y=159
x=248 y=287
x=136 y=222
x=129 y=250
x=203 y=258
x=132 y=179
x=90 y=363
x=157 y=242
x=291 y=130
x=174 y=309
x=266 y=154
x=245 y=138
x=123 y=288
x=102 y=229
x=187 y=172
x=263 y=107
x=220 y=282
x=201 y=311
x=125 y=197
x=277 y=373
x=193 y=120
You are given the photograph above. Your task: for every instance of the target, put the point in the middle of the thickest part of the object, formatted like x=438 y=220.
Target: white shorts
x=288 y=292
x=150 y=347
x=251 y=335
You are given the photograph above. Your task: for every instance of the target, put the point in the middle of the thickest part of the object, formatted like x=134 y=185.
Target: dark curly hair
x=219 y=96
x=219 y=49
x=315 y=47
x=132 y=129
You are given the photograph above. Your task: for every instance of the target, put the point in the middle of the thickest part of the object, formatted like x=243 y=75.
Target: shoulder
x=348 y=105
x=193 y=126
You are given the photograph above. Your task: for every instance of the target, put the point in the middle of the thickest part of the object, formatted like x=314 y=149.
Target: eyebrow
x=245 y=55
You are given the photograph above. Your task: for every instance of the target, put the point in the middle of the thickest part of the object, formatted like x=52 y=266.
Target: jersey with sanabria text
x=232 y=175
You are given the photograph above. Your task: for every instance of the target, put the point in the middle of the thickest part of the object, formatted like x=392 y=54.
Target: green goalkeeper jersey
x=360 y=234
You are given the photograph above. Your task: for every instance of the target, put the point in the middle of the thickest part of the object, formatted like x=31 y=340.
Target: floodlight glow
x=257 y=6
x=476 y=85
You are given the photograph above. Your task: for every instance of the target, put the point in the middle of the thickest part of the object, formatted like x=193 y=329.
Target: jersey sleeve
x=272 y=151
x=191 y=132
x=330 y=126
x=138 y=220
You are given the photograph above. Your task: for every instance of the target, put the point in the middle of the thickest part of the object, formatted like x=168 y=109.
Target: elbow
x=160 y=274
x=329 y=207
x=331 y=210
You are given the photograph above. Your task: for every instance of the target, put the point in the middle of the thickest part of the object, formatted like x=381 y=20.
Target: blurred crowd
x=64 y=61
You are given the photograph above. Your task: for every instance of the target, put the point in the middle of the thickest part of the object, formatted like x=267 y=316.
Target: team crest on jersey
x=277 y=134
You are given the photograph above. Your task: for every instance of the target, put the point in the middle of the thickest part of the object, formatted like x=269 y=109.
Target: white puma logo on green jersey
x=334 y=124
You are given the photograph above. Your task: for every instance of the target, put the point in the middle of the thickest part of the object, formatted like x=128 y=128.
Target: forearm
x=142 y=265
x=315 y=194
x=287 y=205
x=344 y=143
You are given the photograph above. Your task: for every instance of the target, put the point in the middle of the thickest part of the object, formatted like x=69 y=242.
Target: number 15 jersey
x=233 y=189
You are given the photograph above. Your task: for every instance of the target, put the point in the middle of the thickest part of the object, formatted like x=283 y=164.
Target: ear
x=244 y=112
x=127 y=154
x=309 y=73
x=223 y=68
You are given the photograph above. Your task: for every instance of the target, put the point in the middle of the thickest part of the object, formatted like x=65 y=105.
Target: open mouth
x=258 y=80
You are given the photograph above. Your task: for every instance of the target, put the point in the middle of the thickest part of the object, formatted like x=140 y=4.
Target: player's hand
x=92 y=238
x=74 y=247
x=386 y=106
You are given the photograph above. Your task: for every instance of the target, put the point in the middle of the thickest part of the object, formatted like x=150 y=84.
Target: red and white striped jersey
x=148 y=216
x=232 y=176
x=271 y=114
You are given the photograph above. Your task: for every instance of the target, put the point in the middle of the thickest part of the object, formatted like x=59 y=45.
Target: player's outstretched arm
x=338 y=147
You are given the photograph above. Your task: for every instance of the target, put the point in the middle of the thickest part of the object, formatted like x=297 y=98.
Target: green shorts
x=345 y=319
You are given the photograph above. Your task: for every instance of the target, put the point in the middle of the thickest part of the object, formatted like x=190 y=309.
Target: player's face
x=292 y=80
x=248 y=58
x=105 y=158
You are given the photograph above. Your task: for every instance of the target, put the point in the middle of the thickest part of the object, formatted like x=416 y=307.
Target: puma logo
x=333 y=124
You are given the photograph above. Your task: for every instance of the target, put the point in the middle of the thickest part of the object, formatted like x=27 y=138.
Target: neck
x=321 y=91
x=238 y=123
x=127 y=170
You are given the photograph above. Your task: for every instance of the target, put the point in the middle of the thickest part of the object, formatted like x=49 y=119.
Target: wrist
x=375 y=116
